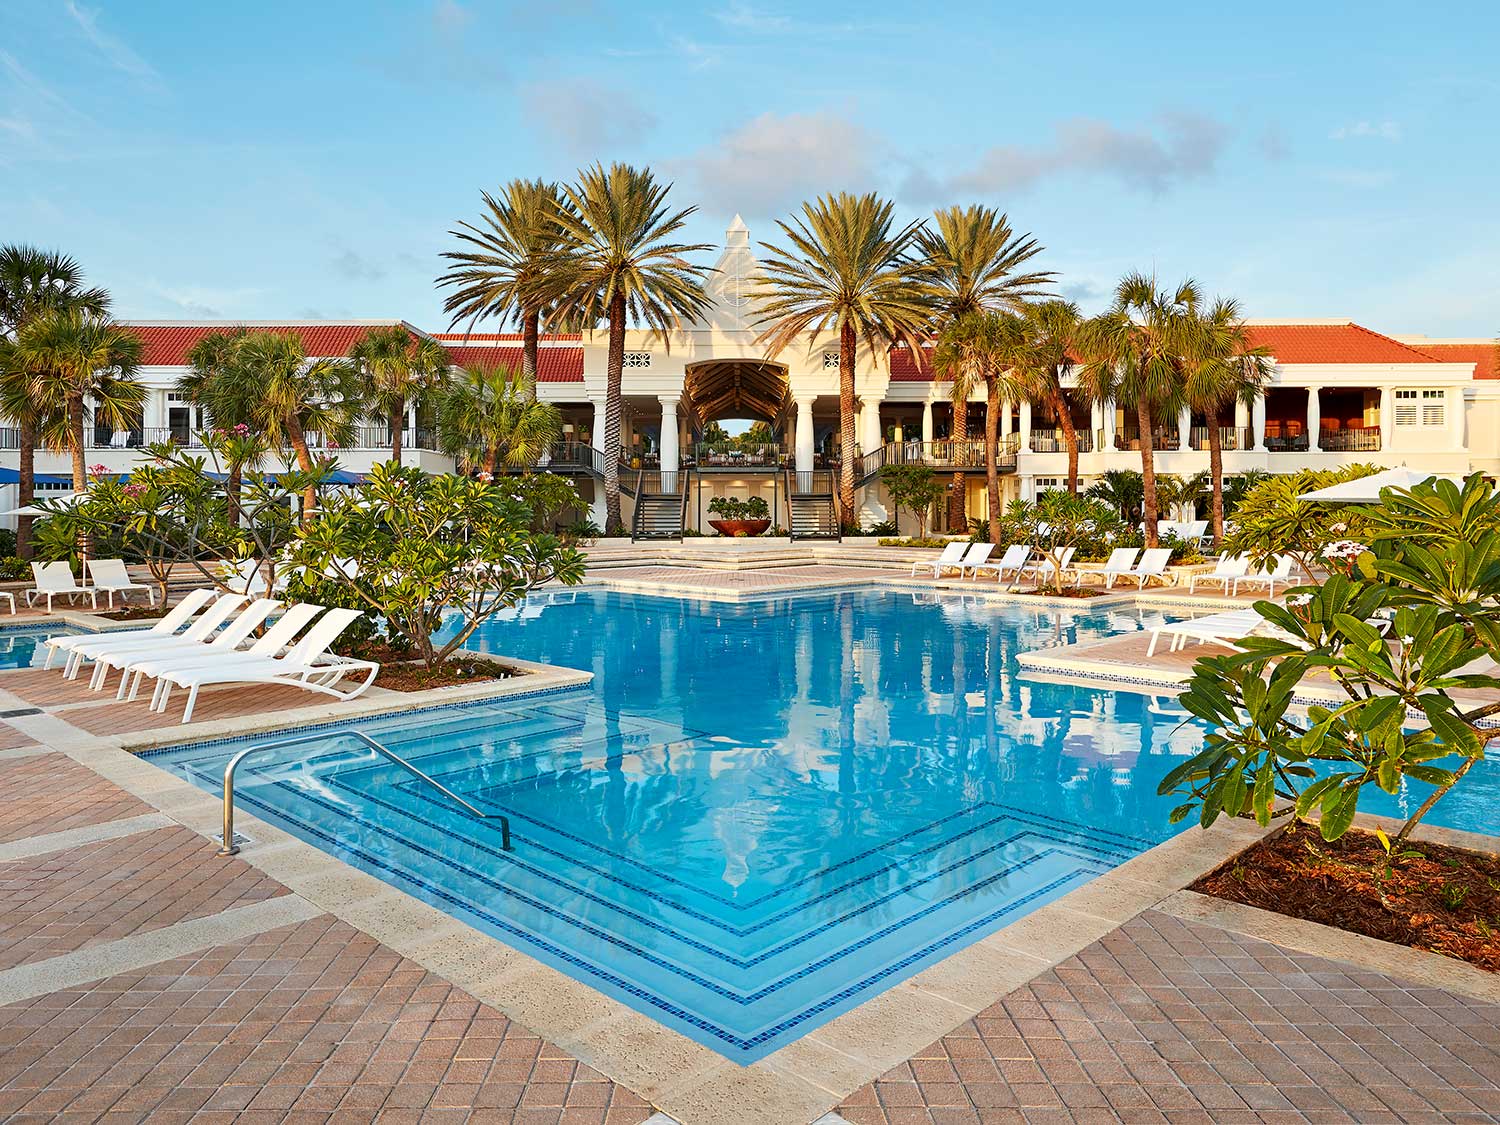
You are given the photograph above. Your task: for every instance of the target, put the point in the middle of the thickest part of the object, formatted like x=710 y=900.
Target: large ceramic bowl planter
x=737 y=528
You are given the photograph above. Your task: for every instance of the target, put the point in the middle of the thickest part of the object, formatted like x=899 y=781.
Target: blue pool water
x=759 y=814
x=21 y=647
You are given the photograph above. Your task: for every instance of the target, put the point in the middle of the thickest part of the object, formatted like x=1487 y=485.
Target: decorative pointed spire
x=738 y=233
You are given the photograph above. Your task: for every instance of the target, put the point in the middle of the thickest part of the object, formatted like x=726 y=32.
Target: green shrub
x=733 y=508
x=914 y=541
x=14 y=569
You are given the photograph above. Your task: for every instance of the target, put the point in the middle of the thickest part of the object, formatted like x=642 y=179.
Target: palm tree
x=1224 y=368
x=74 y=357
x=985 y=348
x=230 y=402
x=504 y=269
x=1053 y=330
x=974 y=257
x=33 y=281
x=847 y=270
x=494 y=410
x=1135 y=357
x=400 y=370
x=293 y=396
x=1122 y=490
x=617 y=265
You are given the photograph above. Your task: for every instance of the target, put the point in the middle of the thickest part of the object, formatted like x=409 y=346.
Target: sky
x=308 y=161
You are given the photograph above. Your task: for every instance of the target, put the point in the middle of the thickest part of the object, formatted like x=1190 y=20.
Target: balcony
x=1363 y=440
x=1230 y=437
x=1051 y=441
x=740 y=455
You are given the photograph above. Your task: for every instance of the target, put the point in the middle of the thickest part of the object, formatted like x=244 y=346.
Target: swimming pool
x=21 y=646
x=759 y=814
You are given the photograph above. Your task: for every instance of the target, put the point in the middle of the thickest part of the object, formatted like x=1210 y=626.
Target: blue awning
x=13 y=476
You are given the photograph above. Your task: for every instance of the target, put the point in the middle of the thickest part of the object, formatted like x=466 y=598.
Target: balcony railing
x=1230 y=437
x=1349 y=441
x=740 y=455
x=103 y=437
x=1051 y=441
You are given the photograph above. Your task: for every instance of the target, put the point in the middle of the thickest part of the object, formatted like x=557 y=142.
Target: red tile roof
x=1332 y=343
x=500 y=337
x=1485 y=356
x=554 y=365
x=169 y=344
x=905 y=369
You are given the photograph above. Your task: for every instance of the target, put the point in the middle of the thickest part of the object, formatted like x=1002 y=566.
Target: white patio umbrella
x=33 y=510
x=1366 y=490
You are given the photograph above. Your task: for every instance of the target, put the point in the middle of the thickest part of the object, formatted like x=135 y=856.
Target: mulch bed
x=134 y=613
x=418 y=677
x=1444 y=900
x=1065 y=592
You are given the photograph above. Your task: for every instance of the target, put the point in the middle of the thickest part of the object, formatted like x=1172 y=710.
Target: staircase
x=812 y=512
x=660 y=506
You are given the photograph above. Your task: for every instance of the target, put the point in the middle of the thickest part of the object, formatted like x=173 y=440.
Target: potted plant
x=739 y=517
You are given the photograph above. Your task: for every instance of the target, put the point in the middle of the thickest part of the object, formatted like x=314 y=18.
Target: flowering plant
x=1341 y=554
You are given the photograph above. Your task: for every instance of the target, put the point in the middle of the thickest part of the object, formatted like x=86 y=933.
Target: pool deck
x=142 y=977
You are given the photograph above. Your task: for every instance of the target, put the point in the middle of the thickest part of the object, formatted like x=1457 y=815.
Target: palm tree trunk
x=235 y=478
x=398 y=427
x=305 y=463
x=75 y=441
x=1148 y=473
x=1216 y=477
x=530 y=334
x=614 y=523
x=958 y=514
x=26 y=486
x=1070 y=435
x=846 y=423
x=492 y=459
x=992 y=454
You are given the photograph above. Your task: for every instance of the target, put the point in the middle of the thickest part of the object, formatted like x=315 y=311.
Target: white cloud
x=354 y=266
x=111 y=47
x=1179 y=146
x=1367 y=130
x=582 y=116
x=775 y=161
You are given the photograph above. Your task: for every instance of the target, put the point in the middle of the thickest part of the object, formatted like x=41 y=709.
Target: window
x=1434 y=407
x=1421 y=408
x=830 y=361
x=1050 y=484
x=637 y=359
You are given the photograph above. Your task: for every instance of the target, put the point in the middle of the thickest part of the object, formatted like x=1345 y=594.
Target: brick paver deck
x=52 y=793
x=312 y=1022
x=1171 y=1021
x=67 y=900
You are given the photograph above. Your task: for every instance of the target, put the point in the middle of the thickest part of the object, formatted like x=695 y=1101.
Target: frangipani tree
x=1416 y=622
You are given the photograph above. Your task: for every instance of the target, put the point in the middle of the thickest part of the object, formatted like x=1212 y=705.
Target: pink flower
x=242 y=430
x=98 y=470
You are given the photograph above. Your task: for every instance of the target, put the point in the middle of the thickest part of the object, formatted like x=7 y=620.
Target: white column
x=1457 y=423
x=1387 y=418
x=1258 y=423
x=1025 y=427
x=804 y=433
x=873 y=439
x=1111 y=423
x=1096 y=424
x=1314 y=420
x=1185 y=429
x=1005 y=419
x=670 y=455
x=599 y=510
x=927 y=422
x=1241 y=420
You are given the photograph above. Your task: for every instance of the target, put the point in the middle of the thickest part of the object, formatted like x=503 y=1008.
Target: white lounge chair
x=978 y=554
x=1012 y=561
x=1121 y=561
x=56 y=579
x=103 y=644
x=950 y=558
x=1195 y=532
x=110 y=577
x=1223 y=628
x=281 y=634
x=308 y=665
x=1229 y=568
x=173 y=620
x=1042 y=570
x=1267 y=577
x=234 y=633
x=1153 y=564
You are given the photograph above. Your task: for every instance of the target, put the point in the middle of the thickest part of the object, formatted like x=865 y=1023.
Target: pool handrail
x=229 y=847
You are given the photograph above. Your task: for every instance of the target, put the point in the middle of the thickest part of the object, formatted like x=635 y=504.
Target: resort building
x=1339 y=393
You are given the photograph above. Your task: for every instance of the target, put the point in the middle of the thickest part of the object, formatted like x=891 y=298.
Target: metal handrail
x=231 y=848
